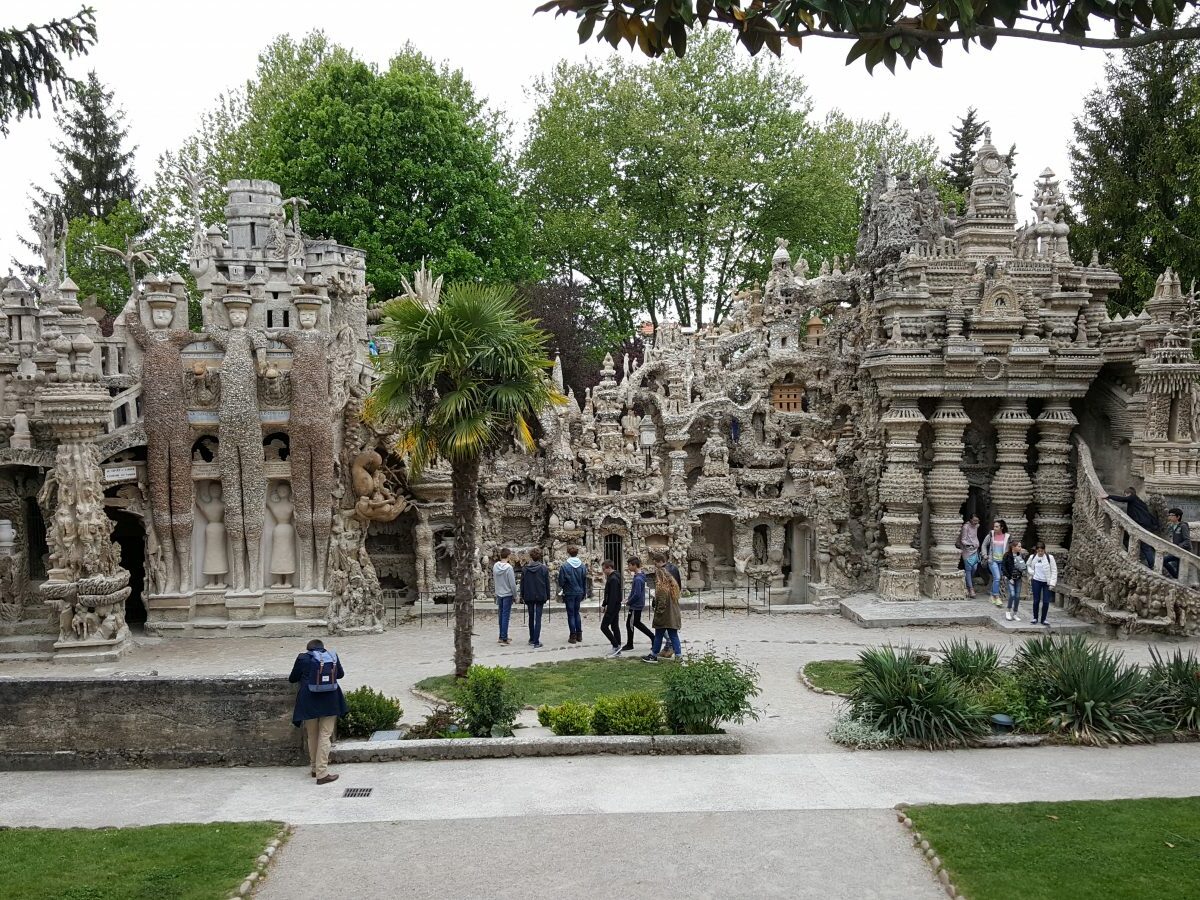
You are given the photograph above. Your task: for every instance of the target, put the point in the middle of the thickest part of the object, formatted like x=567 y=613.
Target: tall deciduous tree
x=398 y=163
x=466 y=374
x=1135 y=167
x=31 y=61
x=100 y=273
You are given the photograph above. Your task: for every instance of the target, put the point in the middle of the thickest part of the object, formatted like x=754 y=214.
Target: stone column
x=1055 y=481
x=901 y=492
x=1012 y=489
x=947 y=488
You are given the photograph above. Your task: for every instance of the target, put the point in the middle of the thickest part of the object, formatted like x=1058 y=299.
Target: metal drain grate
x=357 y=792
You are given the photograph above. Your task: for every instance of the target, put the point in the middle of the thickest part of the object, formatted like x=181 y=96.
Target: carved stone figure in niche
x=716 y=453
x=312 y=410
x=275 y=386
x=168 y=434
x=240 y=433
x=21 y=438
x=206 y=387
x=216 y=556
x=283 y=538
x=375 y=502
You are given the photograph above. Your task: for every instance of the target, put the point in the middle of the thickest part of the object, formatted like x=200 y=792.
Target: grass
x=576 y=679
x=835 y=675
x=183 y=862
x=1118 y=850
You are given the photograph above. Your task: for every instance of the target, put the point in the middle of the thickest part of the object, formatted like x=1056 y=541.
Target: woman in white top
x=1043 y=576
x=995 y=545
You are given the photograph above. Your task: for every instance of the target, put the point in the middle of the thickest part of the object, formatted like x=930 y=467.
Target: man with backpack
x=319 y=702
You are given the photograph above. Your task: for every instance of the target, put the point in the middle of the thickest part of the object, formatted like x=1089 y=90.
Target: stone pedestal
x=1012 y=489
x=901 y=491
x=1055 y=483
x=946 y=487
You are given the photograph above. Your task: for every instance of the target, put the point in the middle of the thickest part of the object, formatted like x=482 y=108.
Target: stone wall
x=114 y=723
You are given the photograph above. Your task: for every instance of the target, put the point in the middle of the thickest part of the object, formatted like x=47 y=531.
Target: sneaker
x=996 y=601
x=614 y=653
x=627 y=647
x=650 y=657
x=1008 y=615
x=1044 y=622
x=1016 y=618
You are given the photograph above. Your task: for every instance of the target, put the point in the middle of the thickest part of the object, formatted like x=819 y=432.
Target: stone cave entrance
x=129 y=534
x=799 y=559
x=717 y=529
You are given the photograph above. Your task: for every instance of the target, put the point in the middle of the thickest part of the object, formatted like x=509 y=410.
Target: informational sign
x=117 y=474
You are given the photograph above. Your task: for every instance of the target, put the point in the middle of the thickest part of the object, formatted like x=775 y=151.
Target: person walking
x=968 y=545
x=535 y=591
x=636 y=603
x=505 y=580
x=995 y=545
x=660 y=560
x=1179 y=534
x=1014 y=570
x=573 y=583
x=1043 y=576
x=610 y=623
x=319 y=702
x=1141 y=515
x=667 y=616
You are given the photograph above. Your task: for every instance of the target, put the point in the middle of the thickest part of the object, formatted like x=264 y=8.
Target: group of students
x=574 y=584
x=1008 y=563
x=1178 y=532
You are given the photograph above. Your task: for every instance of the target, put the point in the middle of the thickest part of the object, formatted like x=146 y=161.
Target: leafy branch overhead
x=30 y=62
x=882 y=32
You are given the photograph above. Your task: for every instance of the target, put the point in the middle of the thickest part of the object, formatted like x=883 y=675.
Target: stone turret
x=987 y=227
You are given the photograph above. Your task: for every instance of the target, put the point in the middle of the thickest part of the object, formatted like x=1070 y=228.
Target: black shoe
x=627 y=647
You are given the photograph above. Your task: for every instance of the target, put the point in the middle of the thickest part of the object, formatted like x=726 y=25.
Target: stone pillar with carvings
x=1055 y=482
x=946 y=487
x=1012 y=489
x=901 y=492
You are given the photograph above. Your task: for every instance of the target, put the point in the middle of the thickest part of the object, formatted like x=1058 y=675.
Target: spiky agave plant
x=466 y=373
x=1176 y=679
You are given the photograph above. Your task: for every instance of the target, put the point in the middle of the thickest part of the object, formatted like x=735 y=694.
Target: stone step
x=27 y=644
x=797 y=609
x=5 y=656
x=41 y=626
x=872 y=612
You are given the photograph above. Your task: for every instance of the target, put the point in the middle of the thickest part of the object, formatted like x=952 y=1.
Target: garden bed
x=495 y=748
x=551 y=683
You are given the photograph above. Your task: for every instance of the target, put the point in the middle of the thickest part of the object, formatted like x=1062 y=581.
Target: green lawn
x=183 y=862
x=575 y=679
x=832 y=674
x=1134 y=849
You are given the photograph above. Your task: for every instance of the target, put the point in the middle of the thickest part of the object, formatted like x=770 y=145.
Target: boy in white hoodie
x=1043 y=576
x=506 y=587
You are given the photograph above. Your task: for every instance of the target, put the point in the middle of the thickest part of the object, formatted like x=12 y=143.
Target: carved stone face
x=238 y=317
x=307 y=318
x=161 y=317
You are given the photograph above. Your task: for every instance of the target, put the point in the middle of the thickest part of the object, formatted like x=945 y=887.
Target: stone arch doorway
x=800 y=555
x=716 y=530
x=130 y=535
x=614 y=550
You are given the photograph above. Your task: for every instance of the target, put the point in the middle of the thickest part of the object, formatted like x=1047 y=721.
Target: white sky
x=167 y=61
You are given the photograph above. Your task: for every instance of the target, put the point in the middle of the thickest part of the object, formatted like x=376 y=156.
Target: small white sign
x=120 y=473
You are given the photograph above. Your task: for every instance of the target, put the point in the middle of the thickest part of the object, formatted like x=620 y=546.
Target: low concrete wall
x=115 y=723
x=497 y=748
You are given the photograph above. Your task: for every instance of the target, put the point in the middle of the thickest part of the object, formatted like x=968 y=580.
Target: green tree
x=464 y=376
x=99 y=273
x=960 y=164
x=665 y=184
x=1135 y=165
x=30 y=62
x=880 y=33
x=395 y=163
x=95 y=168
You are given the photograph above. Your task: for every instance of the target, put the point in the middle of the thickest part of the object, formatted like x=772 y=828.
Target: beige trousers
x=318 y=734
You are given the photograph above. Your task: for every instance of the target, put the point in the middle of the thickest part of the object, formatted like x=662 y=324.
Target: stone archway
x=130 y=535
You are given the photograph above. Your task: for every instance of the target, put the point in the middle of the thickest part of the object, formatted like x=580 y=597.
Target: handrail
x=1117 y=524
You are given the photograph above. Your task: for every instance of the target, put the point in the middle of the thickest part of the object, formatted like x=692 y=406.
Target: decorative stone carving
x=216 y=554
x=283 y=536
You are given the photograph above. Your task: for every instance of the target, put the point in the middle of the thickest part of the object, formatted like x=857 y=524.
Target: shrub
x=849 y=732
x=702 y=691
x=972 y=662
x=902 y=696
x=488 y=701
x=1176 y=679
x=441 y=720
x=543 y=714
x=632 y=713
x=1017 y=696
x=370 y=711
x=569 y=717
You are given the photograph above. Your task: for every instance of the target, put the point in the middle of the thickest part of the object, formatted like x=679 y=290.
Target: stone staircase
x=26 y=640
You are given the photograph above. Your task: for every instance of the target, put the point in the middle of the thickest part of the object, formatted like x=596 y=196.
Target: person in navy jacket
x=317 y=711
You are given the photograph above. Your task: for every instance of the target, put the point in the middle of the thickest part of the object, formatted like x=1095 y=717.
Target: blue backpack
x=322 y=676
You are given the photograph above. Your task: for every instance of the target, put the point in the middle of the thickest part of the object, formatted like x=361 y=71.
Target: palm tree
x=465 y=374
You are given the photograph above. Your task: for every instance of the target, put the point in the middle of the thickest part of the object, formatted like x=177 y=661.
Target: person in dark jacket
x=1141 y=515
x=636 y=604
x=535 y=591
x=610 y=624
x=660 y=560
x=1179 y=534
x=573 y=583
x=318 y=710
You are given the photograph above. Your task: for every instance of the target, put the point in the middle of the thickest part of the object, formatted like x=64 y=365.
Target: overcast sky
x=167 y=61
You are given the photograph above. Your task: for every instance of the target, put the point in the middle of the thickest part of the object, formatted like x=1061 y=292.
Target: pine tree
x=1010 y=160
x=1135 y=163
x=96 y=171
x=960 y=164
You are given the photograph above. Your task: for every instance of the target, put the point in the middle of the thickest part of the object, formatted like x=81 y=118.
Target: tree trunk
x=465 y=478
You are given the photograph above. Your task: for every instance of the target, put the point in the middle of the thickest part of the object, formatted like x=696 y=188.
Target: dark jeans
x=535 y=623
x=1042 y=595
x=632 y=621
x=505 y=605
x=1014 y=594
x=659 y=634
x=1171 y=566
x=1147 y=553
x=610 y=625
x=574 y=619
